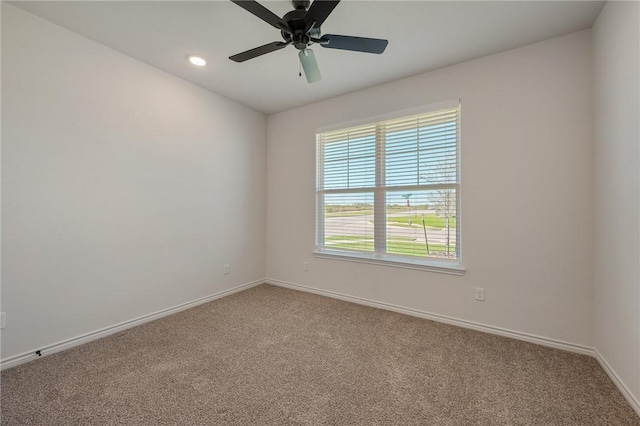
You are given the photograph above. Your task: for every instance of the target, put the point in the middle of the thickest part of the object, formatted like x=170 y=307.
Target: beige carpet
x=272 y=356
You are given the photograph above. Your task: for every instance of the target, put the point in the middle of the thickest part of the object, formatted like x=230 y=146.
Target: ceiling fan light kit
x=301 y=28
x=309 y=65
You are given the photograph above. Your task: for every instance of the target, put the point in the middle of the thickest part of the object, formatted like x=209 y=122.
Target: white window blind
x=391 y=188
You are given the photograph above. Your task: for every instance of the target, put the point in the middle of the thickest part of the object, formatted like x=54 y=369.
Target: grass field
x=334 y=210
x=430 y=220
x=395 y=245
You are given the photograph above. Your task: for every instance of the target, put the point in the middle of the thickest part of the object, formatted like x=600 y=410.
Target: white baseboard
x=103 y=332
x=631 y=399
x=545 y=341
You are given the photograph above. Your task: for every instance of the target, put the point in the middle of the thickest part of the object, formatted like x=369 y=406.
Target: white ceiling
x=423 y=35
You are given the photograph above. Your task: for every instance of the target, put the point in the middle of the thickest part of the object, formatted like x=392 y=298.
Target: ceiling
x=423 y=35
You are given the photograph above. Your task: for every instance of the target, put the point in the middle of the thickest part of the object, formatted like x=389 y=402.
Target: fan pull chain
x=299 y=69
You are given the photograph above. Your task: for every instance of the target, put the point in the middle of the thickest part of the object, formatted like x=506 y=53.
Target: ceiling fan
x=301 y=27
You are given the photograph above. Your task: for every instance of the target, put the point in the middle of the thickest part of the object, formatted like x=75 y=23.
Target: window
x=389 y=191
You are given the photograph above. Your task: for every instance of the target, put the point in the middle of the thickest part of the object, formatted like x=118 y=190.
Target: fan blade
x=258 y=51
x=263 y=13
x=309 y=65
x=319 y=11
x=357 y=44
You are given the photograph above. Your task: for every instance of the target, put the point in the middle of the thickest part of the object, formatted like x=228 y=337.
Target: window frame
x=379 y=191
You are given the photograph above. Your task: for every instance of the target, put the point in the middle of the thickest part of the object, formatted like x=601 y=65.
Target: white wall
x=616 y=67
x=526 y=192
x=124 y=189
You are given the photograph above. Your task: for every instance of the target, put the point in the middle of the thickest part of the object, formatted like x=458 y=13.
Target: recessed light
x=197 y=60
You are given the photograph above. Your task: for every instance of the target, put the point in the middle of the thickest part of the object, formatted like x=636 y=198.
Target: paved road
x=363 y=225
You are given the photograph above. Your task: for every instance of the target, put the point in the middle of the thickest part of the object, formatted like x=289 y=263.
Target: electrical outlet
x=480 y=294
x=3 y=320
x=306 y=266
x=226 y=268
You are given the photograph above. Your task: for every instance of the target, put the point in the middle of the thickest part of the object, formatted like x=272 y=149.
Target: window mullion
x=379 y=205
x=319 y=194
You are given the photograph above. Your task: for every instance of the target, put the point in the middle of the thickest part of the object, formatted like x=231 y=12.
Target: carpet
x=274 y=356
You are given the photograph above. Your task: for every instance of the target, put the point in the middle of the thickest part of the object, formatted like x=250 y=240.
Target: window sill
x=443 y=267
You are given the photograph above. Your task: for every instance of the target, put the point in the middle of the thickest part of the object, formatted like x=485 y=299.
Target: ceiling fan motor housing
x=296 y=22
